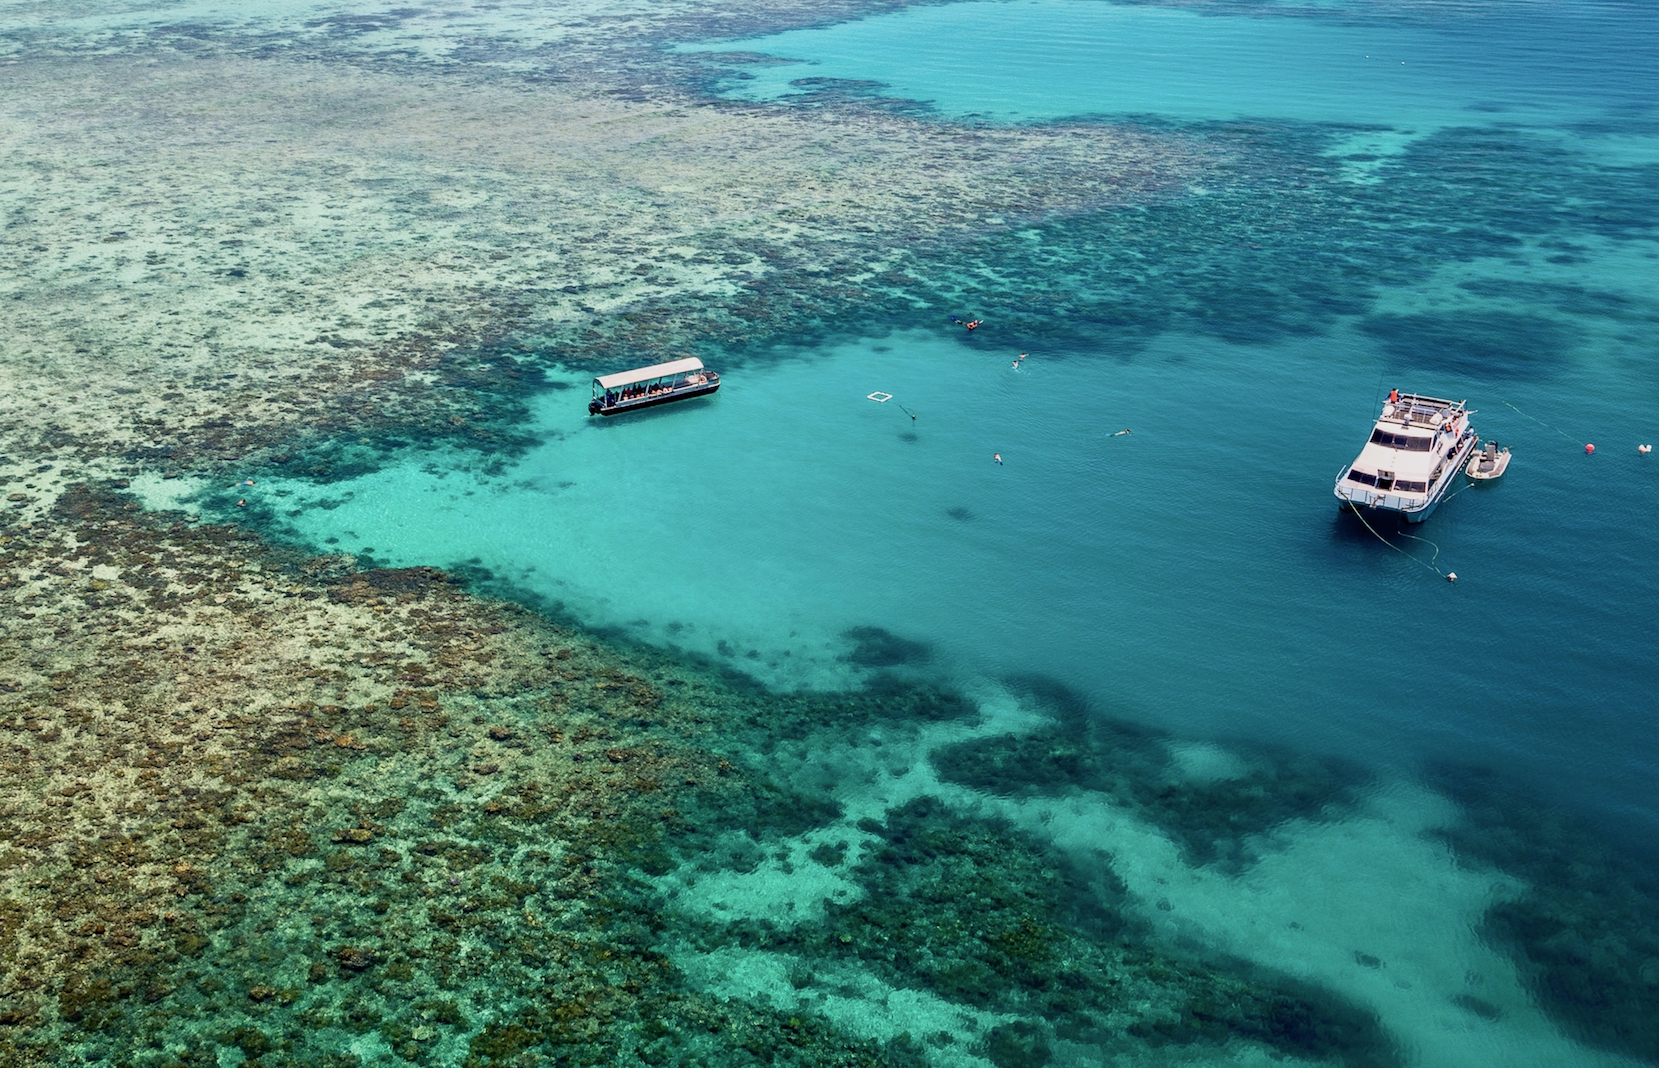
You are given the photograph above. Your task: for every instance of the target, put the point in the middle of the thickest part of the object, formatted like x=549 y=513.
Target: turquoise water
x=1433 y=66
x=1194 y=573
x=1469 y=212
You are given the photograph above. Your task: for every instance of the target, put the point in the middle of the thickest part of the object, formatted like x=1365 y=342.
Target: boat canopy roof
x=645 y=374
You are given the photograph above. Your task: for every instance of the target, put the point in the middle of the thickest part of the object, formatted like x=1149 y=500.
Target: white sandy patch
x=158 y=494
x=1202 y=762
x=849 y=997
x=786 y=891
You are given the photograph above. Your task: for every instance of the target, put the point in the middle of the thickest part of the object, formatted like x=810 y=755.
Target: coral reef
x=1213 y=816
x=977 y=912
x=268 y=802
x=306 y=278
x=880 y=648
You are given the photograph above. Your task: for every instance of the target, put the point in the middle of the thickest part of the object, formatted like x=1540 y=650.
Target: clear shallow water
x=1193 y=574
x=1045 y=59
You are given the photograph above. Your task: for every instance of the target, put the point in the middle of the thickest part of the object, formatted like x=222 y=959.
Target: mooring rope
x=1454 y=493
x=1543 y=424
x=1402 y=552
x=1426 y=541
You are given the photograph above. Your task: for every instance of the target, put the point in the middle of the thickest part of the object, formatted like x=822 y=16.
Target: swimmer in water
x=1122 y=432
x=973 y=324
x=997 y=456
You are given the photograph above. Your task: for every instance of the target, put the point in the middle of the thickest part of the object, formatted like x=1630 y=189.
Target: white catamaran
x=1416 y=450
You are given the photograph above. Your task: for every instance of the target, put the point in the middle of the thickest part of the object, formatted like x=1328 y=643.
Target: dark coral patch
x=1484 y=343
x=1213 y=820
x=879 y=647
x=1583 y=934
x=980 y=913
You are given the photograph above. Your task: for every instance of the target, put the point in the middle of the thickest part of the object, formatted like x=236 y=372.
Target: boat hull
x=1411 y=509
x=635 y=404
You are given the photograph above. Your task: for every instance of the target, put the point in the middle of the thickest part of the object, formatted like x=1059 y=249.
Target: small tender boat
x=1416 y=449
x=645 y=387
x=1489 y=463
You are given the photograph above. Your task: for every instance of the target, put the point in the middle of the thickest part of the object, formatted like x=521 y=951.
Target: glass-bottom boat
x=644 y=387
x=1416 y=450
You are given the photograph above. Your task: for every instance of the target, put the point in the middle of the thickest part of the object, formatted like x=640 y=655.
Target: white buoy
x=1451 y=576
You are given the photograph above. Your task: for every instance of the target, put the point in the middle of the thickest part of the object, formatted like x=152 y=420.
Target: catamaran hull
x=1409 y=515
x=1411 y=509
x=595 y=408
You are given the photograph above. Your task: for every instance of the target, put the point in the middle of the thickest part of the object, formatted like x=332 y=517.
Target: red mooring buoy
x=1589 y=448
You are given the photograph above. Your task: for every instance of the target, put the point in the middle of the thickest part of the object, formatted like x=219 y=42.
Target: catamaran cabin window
x=1411 y=487
x=1408 y=442
x=1362 y=478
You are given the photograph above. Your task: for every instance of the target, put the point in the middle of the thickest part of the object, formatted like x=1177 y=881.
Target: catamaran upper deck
x=1414 y=409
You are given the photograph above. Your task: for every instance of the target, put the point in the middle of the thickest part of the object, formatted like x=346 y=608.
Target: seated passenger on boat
x=647 y=386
